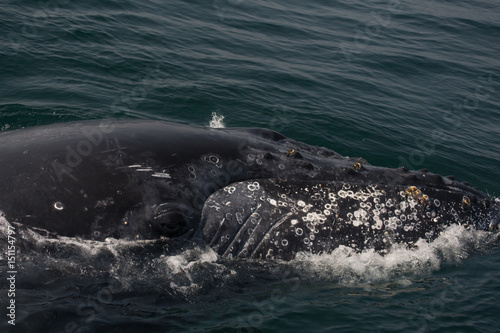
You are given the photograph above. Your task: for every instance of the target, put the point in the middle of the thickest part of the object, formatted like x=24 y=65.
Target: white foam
x=348 y=267
x=182 y=268
x=194 y=267
x=185 y=267
x=216 y=121
x=93 y=247
x=182 y=263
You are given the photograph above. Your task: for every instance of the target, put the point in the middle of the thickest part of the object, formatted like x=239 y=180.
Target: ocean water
x=412 y=83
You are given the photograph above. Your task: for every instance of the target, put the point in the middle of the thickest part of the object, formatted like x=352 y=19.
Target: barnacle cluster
x=416 y=194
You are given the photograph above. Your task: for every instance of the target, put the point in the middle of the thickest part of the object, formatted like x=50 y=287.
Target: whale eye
x=169 y=221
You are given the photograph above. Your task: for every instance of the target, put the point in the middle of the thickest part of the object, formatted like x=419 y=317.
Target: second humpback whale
x=246 y=192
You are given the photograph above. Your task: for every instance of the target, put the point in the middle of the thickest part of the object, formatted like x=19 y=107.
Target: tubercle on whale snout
x=476 y=209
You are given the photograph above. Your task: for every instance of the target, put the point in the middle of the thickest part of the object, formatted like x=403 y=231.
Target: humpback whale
x=246 y=192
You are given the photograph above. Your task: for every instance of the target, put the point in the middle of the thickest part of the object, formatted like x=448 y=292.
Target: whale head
x=278 y=218
x=249 y=193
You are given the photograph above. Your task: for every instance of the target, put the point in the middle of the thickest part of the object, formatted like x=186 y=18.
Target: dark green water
x=396 y=82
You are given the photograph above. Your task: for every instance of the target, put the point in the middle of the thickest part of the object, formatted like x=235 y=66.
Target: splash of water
x=216 y=121
x=349 y=267
x=187 y=269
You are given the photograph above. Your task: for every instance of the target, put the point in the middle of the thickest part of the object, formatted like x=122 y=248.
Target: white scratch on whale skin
x=161 y=175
